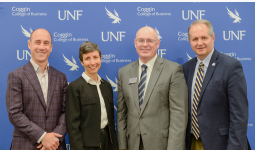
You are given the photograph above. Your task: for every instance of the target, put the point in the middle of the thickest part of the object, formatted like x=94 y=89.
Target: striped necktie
x=141 y=85
x=197 y=92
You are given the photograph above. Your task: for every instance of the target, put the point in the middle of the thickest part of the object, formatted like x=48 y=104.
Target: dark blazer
x=223 y=105
x=27 y=110
x=83 y=114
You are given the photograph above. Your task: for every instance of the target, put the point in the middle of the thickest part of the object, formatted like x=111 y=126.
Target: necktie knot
x=201 y=65
x=144 y=67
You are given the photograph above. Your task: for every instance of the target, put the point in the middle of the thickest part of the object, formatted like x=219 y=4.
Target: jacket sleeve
x=238 y=107
x=121 y=116
x=178 y=104
x=73 y=117
x=14 y=104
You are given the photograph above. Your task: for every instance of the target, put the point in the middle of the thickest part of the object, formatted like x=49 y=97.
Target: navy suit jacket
x=223 y=105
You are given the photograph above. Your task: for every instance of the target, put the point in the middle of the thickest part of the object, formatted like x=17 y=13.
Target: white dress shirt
x=104 y=120
x=43 y=80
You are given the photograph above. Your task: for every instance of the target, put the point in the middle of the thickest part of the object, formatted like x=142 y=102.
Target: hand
x=41 y=147
x=50 y=141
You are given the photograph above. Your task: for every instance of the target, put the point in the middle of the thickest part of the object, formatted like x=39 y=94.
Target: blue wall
x=73 y=23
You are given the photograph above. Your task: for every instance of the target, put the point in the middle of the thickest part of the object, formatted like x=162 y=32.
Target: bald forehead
x=146 y=30
x=41 y=31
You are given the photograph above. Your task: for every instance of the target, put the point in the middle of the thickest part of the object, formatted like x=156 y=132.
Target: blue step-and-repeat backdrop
x=113 y=27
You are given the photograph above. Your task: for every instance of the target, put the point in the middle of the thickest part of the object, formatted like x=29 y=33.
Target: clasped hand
x=50 y=141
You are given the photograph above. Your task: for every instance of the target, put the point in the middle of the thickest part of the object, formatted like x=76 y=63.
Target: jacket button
x=138 y=134
x=47 y=117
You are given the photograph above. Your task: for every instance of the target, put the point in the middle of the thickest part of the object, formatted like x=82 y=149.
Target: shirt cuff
x=39 y=141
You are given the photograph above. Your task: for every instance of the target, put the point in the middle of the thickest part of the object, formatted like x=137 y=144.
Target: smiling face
x=146 y=50
x=91 y=62
x=200 y=40
x=40 y=46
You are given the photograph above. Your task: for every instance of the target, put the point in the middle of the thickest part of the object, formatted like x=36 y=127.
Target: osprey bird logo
x=234 y=16
x=159 y=37
x=25 y=32
x=72 y=64
x=112 y=16
x=189 y=58
x=113 y=84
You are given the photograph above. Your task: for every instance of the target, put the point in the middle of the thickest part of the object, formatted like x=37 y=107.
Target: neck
x=201 y=58
x=144 y=60
x=41 y=65
x=92 y=76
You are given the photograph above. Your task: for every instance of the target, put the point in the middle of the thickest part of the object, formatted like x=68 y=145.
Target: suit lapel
x=52 y=78
x=155 y=73
x=209 y=72
x=133 y=73
x=33 y=79
x=191 y=75
x=191 y=71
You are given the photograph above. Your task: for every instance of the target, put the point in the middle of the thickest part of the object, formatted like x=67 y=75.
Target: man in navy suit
x=218 y=118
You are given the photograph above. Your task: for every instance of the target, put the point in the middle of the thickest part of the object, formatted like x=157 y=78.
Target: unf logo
x=110 y=36
x=25 y=55
x=67 y=14
x=197 y=15
x=231 y=35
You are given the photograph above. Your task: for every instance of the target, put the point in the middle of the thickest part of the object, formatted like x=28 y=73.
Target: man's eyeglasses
x=148 y=41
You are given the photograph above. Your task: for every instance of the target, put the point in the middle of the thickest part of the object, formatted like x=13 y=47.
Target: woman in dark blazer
x=89 y=106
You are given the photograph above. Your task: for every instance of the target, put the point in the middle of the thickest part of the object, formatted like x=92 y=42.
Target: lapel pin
x=213 y=64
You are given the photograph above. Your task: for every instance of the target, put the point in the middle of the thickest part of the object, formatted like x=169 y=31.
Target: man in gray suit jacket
x=35 y=99
x=152 y=103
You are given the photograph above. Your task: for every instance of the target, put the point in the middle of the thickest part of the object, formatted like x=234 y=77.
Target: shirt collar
x=36 y=67
x=91 y=81
x=207 y=59
x=149 y=64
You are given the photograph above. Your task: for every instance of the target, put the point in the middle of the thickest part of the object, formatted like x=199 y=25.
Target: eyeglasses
x=148 y=41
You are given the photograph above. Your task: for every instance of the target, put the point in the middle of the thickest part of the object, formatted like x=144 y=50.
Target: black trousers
x=105 y=141
x=141 y=143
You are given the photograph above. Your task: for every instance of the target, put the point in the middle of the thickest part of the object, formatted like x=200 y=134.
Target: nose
x=41 y=46
x=200 y=42
x=145 y=43
x=92 y=61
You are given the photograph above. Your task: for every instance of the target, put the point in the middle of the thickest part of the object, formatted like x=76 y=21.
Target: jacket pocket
x=224 y=131
x=110 y=99
x=88 y=100
x=165 y=133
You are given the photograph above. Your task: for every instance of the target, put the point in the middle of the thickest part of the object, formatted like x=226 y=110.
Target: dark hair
x=88 y=47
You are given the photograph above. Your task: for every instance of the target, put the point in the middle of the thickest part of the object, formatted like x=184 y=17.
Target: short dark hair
x=88 y=47
x=37 y=29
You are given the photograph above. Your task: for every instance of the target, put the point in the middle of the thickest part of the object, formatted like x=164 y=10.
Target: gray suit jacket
x=163 y=118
